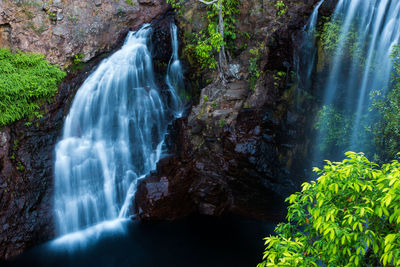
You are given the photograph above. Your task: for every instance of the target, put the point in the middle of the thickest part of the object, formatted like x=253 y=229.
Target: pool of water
x=197 y=241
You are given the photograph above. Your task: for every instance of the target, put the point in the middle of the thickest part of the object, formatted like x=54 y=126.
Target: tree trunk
x=222 y=63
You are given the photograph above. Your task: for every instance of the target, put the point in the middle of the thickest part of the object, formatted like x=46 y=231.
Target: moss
x=26 y=82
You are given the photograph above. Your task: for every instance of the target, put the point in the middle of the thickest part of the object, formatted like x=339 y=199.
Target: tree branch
x=208 y=3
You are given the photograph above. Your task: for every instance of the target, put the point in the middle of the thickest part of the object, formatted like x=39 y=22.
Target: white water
x=305 y=57
x=377 y=24
x=374 y=28
x=113 y=135
x=175 y=77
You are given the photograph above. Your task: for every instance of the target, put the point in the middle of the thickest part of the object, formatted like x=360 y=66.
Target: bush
x=26 y=82
x=350 y=216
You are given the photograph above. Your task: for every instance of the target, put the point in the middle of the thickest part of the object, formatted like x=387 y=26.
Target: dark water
x=196 y=241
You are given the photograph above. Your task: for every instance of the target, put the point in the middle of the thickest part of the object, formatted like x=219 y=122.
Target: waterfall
x=112 y=136
x=305 y=56
x=174 y=77
x=363 y=34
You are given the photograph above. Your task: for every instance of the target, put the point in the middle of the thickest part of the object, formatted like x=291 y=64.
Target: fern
x=27 y=80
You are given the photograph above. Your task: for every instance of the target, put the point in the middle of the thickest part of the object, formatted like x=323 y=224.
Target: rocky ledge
x=65 y=30
x=242 y=148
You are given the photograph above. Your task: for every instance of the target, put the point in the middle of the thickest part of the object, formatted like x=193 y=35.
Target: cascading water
x=175 y=77
x=305 y=56
x=113 y=135
x=359 y=40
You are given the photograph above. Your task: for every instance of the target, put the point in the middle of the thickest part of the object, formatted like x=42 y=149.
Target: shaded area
x=195 y=241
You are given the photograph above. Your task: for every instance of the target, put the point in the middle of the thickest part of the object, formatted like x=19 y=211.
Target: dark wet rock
x=239 y=149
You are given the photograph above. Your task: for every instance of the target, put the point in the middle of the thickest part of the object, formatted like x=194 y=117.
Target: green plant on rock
x=20 y=167
x=280 y=7
x=219 y=34
x=177 y=5
x=78 y=64
x=254 y=70
x=52 y=15
x=26 y=82
x=350 y=217
x=221 y=123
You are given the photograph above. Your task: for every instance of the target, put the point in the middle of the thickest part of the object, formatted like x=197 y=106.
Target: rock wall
x=26 y=152
x=62 y=29
x=240 y=150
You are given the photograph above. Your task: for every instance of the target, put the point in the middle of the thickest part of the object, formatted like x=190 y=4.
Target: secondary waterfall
x=174 y=77
x=113 y=134
x=359 y=40
x=304 y=58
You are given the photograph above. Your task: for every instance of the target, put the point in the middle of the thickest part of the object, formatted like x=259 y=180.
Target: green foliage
x=52 y=15
x=74 y=19
x=129 y=2
x=177 y=5
x=334 y=126
x=230 y=8
x=387 y=129
x=120 y=12
x=78 y=58
x=207 y=43
x=330 y=36
x=20 y=167
x=350 y=216
x=26 y=81
x=281 y=8
x=221 y=123
x=278 y=77
x=254 y=70
x=78 y=64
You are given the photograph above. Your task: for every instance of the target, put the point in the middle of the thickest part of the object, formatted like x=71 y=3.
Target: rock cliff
x=242 y=149
x=60 y=30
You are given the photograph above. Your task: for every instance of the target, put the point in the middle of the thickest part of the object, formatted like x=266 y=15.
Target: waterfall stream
x=113 y=134
x=305 y=57
x=361 y=37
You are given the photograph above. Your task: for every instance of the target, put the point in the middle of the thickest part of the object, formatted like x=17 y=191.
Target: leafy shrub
x=26 y=81
x=350 y=216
